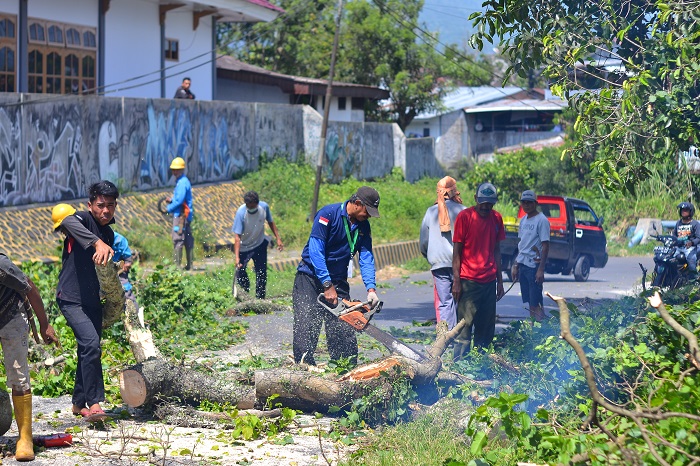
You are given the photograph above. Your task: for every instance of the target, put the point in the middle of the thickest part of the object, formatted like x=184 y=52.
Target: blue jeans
x=691 y=256
x=445 y=305
x=531 y=290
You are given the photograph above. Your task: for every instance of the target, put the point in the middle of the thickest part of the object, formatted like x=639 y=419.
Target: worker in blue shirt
x=180 y=205
x=122 y=252
x=339 y=232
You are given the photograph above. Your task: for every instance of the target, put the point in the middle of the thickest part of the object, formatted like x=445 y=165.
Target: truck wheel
x=582 y=269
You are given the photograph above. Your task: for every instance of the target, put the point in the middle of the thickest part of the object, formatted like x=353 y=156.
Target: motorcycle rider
x=687 y=230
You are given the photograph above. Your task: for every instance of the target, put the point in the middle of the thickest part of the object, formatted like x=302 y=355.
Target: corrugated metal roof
x=507 y=105
x=470 y=96
x=245 y=72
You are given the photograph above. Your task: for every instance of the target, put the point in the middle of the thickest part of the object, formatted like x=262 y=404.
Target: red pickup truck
x=577 y=239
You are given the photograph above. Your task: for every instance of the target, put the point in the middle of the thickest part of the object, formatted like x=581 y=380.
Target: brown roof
x=230 y=68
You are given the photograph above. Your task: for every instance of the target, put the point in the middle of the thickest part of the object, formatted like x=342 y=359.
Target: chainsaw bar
x=392 y=343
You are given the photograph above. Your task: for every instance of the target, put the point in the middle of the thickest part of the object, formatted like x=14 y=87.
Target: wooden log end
x=133 y=388
x=370 y=371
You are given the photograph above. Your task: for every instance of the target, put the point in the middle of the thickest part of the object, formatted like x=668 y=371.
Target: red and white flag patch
x=323 y=221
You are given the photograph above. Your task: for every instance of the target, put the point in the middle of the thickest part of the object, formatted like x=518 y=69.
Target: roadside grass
x=435 y=438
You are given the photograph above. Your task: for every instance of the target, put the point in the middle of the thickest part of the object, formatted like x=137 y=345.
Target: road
x=411 y=299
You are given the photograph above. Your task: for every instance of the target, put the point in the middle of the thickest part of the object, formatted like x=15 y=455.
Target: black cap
x=370 y=198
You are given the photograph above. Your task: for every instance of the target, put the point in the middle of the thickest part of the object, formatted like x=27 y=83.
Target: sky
x=450 y=19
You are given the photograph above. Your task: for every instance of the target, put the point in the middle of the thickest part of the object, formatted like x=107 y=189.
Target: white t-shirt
x=532 y=232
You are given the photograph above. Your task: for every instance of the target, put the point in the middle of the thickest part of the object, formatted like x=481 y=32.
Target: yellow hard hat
x=178 y=163
x=59 y=212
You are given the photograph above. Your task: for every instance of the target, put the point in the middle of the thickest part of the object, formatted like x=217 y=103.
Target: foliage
x=250 y=427
x=378 y=47
x=288 y=188
x=638 y=116
x=185 y=311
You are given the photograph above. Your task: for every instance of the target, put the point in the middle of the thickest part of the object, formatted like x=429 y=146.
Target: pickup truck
x=577 y=240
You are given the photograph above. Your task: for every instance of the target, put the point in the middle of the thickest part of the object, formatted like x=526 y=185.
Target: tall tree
x=644 y=113
x=381 y=44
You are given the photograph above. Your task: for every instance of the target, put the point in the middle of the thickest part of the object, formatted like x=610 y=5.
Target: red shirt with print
x=479 y=237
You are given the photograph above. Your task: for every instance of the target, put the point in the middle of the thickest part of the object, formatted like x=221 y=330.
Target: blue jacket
x=327 y=253
x=181 y=195
x=122 y=251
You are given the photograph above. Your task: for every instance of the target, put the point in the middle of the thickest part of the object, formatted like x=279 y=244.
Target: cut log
x=140 y=338
x=158 y=379
x=111 y=293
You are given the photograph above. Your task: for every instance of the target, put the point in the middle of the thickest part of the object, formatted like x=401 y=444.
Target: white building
x=241 y=82
x=130 y=48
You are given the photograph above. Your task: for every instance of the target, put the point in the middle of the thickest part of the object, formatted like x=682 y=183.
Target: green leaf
x=478 y=443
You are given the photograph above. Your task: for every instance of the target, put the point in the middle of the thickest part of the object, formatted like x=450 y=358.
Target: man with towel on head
x=436 y=246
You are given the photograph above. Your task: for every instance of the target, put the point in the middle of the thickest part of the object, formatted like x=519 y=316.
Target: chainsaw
x=357 y=314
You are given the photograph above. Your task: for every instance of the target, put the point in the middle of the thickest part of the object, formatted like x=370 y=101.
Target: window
x=172 y=49
x=55 y=35
x=8 y=46
x=89 y=40
x=7 y=28
x=341 y=103
x=358 y=103
x=36 y=33
x=72 y=37
x=53 y=73
x=585 y=216
x=72 y=74
x=426 y=132
x=36 y=72
x=64 y=63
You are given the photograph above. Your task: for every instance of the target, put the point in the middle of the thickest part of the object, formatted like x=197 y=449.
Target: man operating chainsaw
x=338 y=233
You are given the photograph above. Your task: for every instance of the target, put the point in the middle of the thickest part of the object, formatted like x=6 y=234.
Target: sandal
x=84 y=412
x=97 y=415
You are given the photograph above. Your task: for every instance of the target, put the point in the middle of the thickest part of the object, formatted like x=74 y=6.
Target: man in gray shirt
x=436 y=246
x=533 y=250
x=251 y=242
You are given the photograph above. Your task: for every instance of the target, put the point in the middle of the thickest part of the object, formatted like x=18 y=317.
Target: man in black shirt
x=183 y=92
x=89 y=241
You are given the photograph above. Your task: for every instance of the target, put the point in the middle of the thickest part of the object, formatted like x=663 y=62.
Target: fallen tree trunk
x=299 y=390
x=158 y=379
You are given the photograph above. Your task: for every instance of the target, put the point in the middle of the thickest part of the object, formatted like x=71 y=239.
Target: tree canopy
x=381 y=44
x=630 y=69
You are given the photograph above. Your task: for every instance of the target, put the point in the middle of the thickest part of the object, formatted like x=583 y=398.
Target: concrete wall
x=52 y=149
x=420 y=159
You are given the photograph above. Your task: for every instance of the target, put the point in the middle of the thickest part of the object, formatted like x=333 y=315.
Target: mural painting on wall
x=9 y=151
x=169 y=136
x=342 y=154
x=41 y=158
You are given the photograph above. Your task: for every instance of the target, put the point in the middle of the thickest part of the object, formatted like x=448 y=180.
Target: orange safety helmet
x=59 y=212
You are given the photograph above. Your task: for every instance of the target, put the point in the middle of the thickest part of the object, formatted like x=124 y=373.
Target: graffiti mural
x=53 y=149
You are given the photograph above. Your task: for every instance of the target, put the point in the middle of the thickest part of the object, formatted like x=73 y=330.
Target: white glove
x=373 y=299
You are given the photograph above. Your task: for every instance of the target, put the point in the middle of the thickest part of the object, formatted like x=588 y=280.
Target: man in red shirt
x=476 y=260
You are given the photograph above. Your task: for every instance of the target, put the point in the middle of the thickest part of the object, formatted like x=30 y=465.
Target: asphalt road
x=410 y=299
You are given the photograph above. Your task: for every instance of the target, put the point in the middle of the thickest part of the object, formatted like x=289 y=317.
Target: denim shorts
x=531 y=291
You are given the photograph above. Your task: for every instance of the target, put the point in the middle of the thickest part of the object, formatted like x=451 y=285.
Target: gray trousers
x=309 y=316
x=445 y=305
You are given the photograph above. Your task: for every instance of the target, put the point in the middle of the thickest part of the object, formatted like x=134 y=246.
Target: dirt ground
x=133 y=437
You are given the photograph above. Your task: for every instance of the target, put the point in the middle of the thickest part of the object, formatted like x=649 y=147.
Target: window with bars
x=172 y=49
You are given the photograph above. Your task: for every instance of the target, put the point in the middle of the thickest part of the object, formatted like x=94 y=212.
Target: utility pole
x=326 y=112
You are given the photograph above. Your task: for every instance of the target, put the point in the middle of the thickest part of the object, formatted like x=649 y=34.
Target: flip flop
x=83 y=413
x=97 y=415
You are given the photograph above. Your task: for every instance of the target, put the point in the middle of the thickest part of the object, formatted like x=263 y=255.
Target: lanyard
x=352 y=241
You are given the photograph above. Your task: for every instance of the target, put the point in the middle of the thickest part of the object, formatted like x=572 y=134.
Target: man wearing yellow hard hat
x=180 y=206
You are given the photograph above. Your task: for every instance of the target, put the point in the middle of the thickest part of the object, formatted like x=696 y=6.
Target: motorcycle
x=670 y=264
